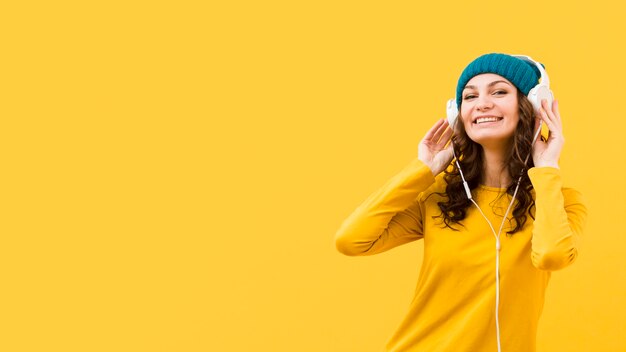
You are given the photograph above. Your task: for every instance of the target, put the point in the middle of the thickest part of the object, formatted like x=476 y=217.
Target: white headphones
x=535 y=96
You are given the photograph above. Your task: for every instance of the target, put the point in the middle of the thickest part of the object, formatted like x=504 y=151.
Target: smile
x=487 y=119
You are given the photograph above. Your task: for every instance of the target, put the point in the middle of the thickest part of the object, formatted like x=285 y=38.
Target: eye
x=469 y=96
x=500 y=92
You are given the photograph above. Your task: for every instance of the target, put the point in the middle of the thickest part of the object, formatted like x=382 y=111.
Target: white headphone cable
x=497 y=236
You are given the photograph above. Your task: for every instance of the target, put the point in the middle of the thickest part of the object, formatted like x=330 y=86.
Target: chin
x=492 y=140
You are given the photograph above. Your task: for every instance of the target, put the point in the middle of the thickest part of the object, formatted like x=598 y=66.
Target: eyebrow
x=489 y=85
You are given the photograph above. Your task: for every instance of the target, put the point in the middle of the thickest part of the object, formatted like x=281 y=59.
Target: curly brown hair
x=470 y=157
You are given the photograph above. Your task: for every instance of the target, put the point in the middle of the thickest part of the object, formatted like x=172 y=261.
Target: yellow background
x=173 y=173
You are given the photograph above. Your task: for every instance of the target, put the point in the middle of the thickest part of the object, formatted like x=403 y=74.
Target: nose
x=483 y=102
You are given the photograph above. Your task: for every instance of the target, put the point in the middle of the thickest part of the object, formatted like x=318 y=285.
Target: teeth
x=487 y=119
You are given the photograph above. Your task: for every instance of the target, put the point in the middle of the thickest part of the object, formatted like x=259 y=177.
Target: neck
x=495 y=172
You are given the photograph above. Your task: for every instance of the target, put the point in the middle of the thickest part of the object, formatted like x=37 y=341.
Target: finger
x=442 y=128
x=431 y=133
x=544 y=116
x=551 y=113
x=555 y=108
x=445 y=137
x=547 y=109
x=554 y=129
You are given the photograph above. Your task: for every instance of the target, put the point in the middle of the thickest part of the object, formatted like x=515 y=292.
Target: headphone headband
x=545 y=80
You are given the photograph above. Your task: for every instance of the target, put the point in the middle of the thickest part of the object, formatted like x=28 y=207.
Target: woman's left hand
x=547 y=153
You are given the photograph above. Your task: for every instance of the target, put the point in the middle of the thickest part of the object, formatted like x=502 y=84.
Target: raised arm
x=560 y=217
x=391 y=216
x=560 y=214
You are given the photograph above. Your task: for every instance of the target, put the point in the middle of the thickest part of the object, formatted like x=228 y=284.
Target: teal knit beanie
x=524 y=75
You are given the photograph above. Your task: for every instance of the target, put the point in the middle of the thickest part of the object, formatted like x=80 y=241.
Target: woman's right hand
x=434 y=149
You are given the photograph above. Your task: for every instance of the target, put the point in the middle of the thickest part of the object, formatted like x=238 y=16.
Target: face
x=489 y=109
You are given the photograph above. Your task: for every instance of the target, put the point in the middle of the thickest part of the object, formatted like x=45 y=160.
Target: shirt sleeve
x=389 y=217
x=560 y=217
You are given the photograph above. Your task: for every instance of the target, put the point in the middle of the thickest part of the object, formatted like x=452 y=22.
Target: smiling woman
x=466 y=179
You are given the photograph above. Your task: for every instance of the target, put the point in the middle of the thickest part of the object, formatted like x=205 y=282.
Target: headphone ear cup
x=537 y=94
x=451 y=112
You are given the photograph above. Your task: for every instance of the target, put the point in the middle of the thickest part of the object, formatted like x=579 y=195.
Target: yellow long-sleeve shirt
x=453 y=308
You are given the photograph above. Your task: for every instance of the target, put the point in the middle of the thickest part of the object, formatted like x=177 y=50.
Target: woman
x=477 y=290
